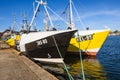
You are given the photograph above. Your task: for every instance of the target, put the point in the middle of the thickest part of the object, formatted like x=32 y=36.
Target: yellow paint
x=11 y=41
x=96 y=42
x=92 y=67
x=17 y=37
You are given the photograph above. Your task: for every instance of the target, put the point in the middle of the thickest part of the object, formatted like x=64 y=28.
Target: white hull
x=48 y=46
x=47 y=60
x=34 y=36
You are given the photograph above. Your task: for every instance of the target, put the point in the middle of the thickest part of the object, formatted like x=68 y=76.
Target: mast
x=71 y=15
x=36 y=10
x=46 y=23
x=25 y=25
x=48 y=16
x=34 y=15
x=14 y=24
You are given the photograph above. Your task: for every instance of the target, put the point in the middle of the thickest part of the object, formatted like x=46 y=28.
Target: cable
x=79 y=16
x=69 y=75
x=83 y=74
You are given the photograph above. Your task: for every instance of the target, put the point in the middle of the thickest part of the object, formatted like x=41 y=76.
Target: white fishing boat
x=45 y=46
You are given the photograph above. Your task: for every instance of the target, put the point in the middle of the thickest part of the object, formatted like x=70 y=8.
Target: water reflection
x=92 y=68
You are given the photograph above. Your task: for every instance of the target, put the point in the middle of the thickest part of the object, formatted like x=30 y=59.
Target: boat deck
x=16 y=67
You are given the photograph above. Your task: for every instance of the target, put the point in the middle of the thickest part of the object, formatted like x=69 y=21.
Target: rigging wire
x=66 y=15
x=83 y=74
x=78 y=16
x=49 y=16
x=69 y=75
x=14 y=27
x=57 y=15
x=34 y=15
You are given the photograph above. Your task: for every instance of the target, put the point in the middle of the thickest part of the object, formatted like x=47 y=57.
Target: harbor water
x=105 y=66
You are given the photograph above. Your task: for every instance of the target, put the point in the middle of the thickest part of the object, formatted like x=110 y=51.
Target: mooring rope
x=83 y=74
x=69 y=75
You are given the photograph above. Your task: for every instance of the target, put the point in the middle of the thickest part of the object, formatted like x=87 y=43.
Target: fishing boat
x=13 y=36
x=89 y=42
x=45 y=46
x=12 y=39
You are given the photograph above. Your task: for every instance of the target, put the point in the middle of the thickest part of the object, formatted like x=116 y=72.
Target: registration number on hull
x=41 y=42
x=85 y=38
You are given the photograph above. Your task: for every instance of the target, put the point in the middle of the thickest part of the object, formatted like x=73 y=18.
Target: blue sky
x=95 y=14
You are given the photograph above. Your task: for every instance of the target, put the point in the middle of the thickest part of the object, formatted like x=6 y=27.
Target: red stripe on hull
x=84 y=53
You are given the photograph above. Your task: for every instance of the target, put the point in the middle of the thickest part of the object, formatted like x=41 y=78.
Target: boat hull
x=89 y=42
x=12 y=40
x=53 y=45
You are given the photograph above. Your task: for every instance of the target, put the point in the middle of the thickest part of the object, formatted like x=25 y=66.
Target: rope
x=69 y=75
x=78 y=16
x=83 y=74
x=57 y=15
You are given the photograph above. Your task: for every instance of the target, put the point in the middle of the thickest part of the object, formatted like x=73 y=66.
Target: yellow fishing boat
x=88 y=41
x=14 y=35
x=13 y=39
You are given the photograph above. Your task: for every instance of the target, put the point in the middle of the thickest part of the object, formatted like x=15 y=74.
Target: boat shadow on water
x=92 y=68
x=57 y=69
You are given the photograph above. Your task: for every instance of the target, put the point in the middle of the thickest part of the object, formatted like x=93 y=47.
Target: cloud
x=109 y=13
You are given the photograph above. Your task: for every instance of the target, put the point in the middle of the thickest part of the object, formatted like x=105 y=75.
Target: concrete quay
x=16 y=67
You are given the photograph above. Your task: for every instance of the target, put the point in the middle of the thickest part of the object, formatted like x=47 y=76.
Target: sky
x=95 y=14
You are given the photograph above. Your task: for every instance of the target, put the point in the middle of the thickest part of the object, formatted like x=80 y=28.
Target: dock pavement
x=16 y=67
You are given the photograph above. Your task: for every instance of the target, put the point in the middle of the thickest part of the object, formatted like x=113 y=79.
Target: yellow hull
x=11 y=41
x=89 y=42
